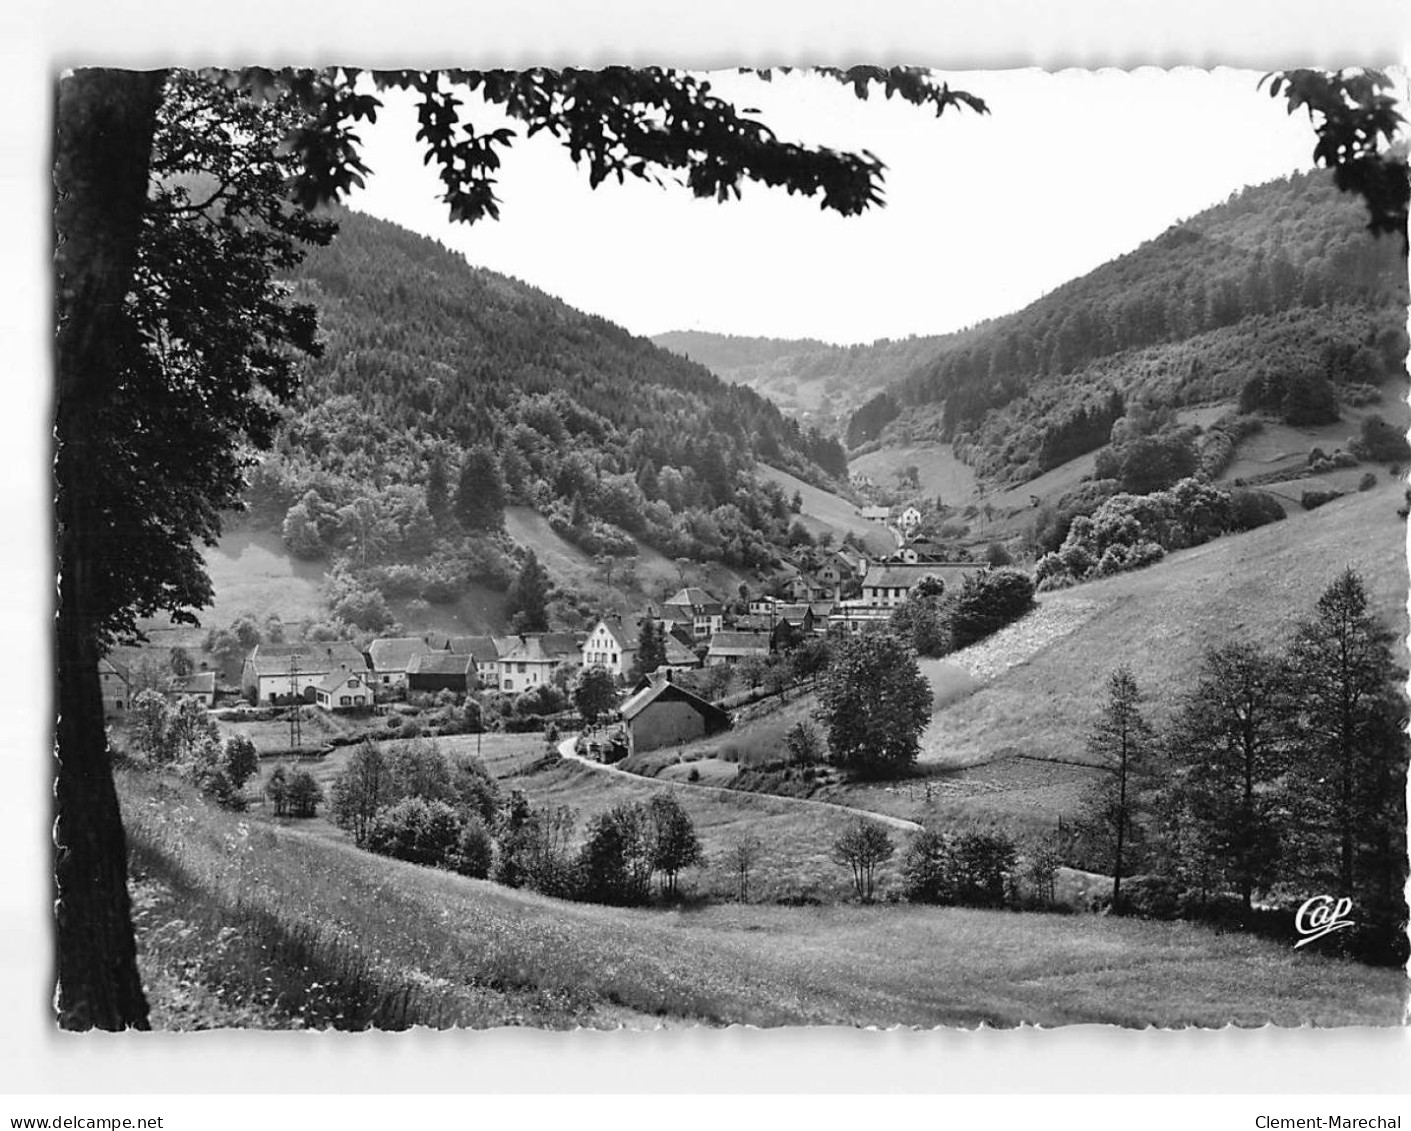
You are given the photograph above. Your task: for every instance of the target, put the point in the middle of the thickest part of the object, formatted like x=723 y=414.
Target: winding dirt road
x=566 y=750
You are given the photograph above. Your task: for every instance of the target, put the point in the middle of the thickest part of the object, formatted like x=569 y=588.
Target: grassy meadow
x=1161 y=619
x=278 y=925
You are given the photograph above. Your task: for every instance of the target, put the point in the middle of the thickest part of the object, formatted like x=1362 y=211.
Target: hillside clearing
x=824 y=511
x=252 y=572
x=486 y=955
x=940 y=474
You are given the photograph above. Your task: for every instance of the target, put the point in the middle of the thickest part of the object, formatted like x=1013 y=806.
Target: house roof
x=336 y=679
x=106 y=665
x=794 y=614
x=197 y=683
x=697 y=600
x=544 y=648
x=440 y=663
x=624 y=634
x=677 y=654
x=821 y=609
x=893 y=576
x=393 y=653
x=656 y=689
x=755 y=622
x=479 y=648
x=310 y=658
x=739 y=644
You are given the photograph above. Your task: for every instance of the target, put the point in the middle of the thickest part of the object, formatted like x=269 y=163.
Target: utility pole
x=295 y=734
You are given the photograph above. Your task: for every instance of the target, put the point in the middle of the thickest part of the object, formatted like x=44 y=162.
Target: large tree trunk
x=105 y=123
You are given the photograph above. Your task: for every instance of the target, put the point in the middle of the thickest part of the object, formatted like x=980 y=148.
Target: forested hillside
x=818 y=382
x=446 y=392
x=1278 y=297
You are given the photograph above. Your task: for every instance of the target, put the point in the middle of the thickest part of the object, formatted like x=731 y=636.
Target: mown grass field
x=795 y=840
x=939 y=472
x=429 y=947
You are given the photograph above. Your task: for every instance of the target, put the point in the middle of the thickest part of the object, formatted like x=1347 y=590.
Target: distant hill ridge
x=1282 y=278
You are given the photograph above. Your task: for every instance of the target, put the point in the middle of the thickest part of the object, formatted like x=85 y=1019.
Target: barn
x=441 y=671
x=662 y=713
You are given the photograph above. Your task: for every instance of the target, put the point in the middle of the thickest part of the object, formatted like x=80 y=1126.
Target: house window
x=520 y=669
x=509 y=685
x=344 y=701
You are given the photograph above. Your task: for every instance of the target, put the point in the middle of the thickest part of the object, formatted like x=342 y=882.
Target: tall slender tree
x=1228 y=749
x=1346 y=685
x=1120 y=743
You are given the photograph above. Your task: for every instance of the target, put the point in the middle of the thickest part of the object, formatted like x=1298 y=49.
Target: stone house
x=277 y=672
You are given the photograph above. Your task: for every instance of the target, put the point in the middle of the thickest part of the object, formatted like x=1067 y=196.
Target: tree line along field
x=381 y=941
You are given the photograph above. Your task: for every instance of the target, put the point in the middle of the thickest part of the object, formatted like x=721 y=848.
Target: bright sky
x=983 y=214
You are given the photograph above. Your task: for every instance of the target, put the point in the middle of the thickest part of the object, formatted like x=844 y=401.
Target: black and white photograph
x=638 y=548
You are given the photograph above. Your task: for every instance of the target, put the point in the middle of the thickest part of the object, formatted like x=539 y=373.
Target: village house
x=611 y=645
x=343 y=690
x=889 y=585
x=388 y=657
x=200 y=686
x=732 y=647
x=760 y=606
x=275 y=673
x=836 y=571
x=696 y=607
x=922 y=551
x=661 y=713
x=853 y=617
x=876 y=513
x=533 y=659
x=485 y=653
x=441 y=671
x=909 y=521
x=116 y=686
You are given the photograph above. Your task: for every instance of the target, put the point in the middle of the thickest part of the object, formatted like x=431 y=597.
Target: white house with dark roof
x=705 y=614
x=888 y=585
x=200 y=686
x=532 y=660
x=343 y=690
x=611 y=645
x=274 y=672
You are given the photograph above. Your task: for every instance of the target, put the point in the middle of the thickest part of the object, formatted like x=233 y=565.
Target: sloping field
x=252 y=572
x=825 y=511
x=1160 y=620
x=939 y=472
x=656 y=574
x=475 y=944
x=796 y=838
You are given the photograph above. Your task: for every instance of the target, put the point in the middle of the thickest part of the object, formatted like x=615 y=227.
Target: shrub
x=1311 y=500
x=1380 y=442
x=476 y=850
x=615 y=862
x=1251 y=509
x=928 y=870
x=987 y=602
x=983 y=863
x=304 y=794
x=418 y=831
x=1367 y=482
x=1151 y=897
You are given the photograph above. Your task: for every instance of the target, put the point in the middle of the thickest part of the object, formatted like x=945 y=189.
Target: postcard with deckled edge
x=642 y=548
